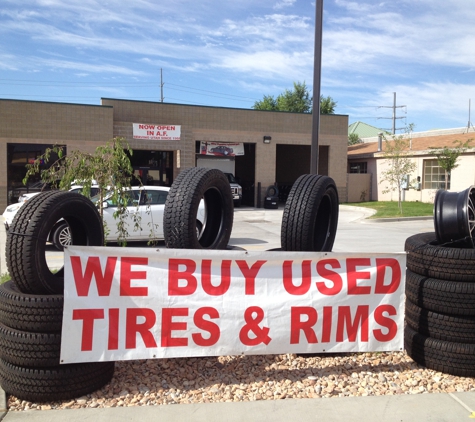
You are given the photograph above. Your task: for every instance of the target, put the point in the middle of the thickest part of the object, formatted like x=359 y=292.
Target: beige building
x=27 y=128
x=366 y=163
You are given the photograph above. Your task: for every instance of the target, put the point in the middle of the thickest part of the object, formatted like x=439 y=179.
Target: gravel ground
x=263 y=377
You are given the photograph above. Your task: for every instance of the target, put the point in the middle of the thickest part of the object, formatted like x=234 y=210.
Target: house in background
x=364 y=131
x=366 y=163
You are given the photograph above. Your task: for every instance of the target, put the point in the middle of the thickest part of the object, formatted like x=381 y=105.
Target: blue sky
x=232 y=53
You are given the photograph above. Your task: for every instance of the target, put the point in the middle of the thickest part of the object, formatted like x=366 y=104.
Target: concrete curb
x=3 y=404
x=370 y=212
x=392 y=220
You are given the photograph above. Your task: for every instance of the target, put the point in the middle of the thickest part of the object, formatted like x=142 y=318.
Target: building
x=271 y=147
x=364 y=131
x=366 y=163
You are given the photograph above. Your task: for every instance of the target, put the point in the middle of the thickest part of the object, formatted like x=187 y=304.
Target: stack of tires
x=440 y=305
x=31 y=304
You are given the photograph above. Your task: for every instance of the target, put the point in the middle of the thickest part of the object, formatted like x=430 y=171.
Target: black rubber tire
x=427 y=258
x=36 y=313
x=62 y=382
x=26 y=239
x=272 y=190
x=310 y=217
x=444 y=356
x=455 y=329
x=444 y=296
x=181 y=208
x=24 y=348
x=60 y=235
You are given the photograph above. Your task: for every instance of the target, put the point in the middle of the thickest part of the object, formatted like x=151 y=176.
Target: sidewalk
x=427 y=407
x=259 y=229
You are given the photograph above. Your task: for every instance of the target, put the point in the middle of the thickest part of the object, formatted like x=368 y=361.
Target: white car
x=12 y=209
x=147 y=202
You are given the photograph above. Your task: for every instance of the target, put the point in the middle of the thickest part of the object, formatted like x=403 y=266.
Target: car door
x=152 y=207
x=132 y=216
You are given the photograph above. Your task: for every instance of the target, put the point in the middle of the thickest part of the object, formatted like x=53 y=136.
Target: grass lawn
x=4 y=277
x=388 y=209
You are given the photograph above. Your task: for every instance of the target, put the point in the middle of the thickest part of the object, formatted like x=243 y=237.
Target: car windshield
x=231 y=178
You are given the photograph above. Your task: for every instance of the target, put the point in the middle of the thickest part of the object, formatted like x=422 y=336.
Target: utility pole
x=161 y=85
x=394 y=117
x=317 y=70
x=469 y=116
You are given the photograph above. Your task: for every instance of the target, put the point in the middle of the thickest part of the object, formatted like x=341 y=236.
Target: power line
x=99 y=84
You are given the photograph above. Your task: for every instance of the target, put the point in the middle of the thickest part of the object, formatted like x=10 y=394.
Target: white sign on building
x=156 y=132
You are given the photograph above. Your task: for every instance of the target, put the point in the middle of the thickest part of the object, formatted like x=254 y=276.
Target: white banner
x=144 y=303
x=221 y=149
x=156 y=132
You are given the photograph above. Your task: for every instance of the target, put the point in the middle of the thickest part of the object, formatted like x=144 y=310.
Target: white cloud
x=283 y=4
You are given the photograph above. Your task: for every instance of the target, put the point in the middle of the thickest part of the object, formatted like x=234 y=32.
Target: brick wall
x=236 y=125
x=76 y=126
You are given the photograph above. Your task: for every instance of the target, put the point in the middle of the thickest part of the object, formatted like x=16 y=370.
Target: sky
x=232 y=53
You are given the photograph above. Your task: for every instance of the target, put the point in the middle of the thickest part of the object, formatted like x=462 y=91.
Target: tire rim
x=454 y=217
x=65 y=236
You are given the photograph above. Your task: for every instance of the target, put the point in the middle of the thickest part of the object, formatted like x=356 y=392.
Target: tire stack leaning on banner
x=31 y=304
x=440 y=292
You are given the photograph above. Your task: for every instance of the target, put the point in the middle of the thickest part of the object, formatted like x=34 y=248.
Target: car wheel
x=199 y=228
x=310 y=215
x=272 y=190
x=26 y=241
x=62 y=236
x=181 y=208
x=454 y=217
x=61 y=382
x=37 y=313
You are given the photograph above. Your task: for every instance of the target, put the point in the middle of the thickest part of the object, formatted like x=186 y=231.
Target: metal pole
x=161 y=85
x=317 y=71
x=394 y=113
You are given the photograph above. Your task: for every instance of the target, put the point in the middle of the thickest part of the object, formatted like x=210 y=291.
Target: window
x=153 y=197
x=18 y=155
x=358 y=167
x=434 y=176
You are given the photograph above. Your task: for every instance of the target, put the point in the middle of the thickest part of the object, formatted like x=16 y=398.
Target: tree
x=447 y=157
x=109 y=167
x=327 y=105
x=297 y=100
x=399 y=165
x=267 y=103
x=354 y=138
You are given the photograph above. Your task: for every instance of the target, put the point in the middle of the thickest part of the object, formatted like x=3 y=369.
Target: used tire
x=444 y=356
x=36 y=313
x=456 y=329
x=444 y=296
x=426 y=257
x=310 y=218
x=29 y=349
x=26 y=239
x=61 y=382
x=181 y=209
